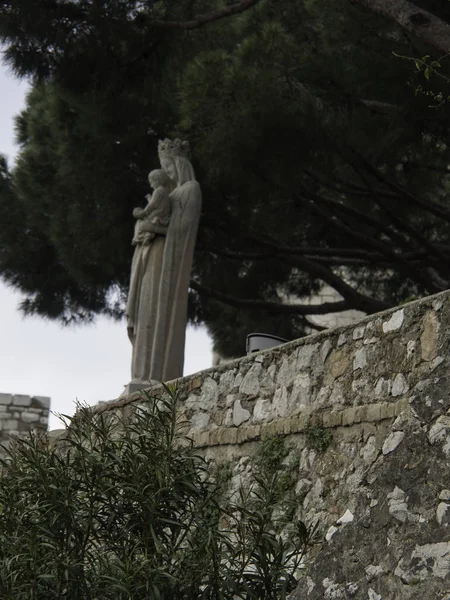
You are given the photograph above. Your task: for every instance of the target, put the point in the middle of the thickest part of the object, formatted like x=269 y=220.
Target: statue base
x=136 y=386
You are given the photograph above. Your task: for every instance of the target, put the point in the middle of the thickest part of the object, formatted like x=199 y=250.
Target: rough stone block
x=40 y=401
x=348 y=416
x=29 y=417
x=10 y=425
x=253 y=432
x=214 y=437
x=332 y=419
x=240 y=414
x=395 y=322
x=339 y=363
x=21 y=400
x=361 y=414
x=201 y=438
x=429 y=337
x=401 y=406
x=194 y=384
x=6 y=399
x=387 y=410
x=373 y=412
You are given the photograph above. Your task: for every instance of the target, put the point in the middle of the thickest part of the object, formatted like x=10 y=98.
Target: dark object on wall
x=261 y=341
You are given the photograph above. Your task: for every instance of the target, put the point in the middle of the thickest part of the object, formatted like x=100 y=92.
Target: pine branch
x=275 y=307
x=423 y=24
x=211 y=17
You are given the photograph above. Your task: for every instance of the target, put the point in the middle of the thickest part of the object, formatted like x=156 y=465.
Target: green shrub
x=318 y=438
x=126 y=510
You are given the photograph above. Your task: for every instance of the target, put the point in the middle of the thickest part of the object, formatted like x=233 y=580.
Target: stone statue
x=161 y=268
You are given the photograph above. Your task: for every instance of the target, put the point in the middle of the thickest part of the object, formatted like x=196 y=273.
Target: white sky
x=41 y=358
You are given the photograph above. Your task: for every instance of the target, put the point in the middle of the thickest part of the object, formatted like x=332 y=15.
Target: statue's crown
x=176 y=147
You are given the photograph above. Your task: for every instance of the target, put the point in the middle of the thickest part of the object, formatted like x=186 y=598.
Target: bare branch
x=215 y=15
x=421 y=23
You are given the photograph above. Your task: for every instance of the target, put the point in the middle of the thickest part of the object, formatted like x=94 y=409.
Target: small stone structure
x=19 y=414
x=380 y=491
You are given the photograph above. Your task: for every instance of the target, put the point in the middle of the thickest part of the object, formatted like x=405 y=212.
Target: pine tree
x=319 y=156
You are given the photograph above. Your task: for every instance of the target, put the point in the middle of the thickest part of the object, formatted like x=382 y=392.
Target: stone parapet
x=19 y=414
x=337 y=377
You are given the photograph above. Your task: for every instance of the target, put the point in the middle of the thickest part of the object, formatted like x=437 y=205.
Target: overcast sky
x=39 y=357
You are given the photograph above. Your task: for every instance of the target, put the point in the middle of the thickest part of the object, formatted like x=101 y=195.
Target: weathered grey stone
x=339 y=362
x=6 y=399
x=262 y=410
x=392 y=441
x=399 y=385
x=398 y=506
x=360 y=359
x=395 y=322
x=325 y=349
x=303 y=486
x=29 y=417
x=429 y=337
x=10 y=425
x=250 y=383
x=43 y=401
x=440 y=431
x=285 y=373
x=342 y=339
x=372 y=571
x=240 y=415
x=226 y=381
x=444 y=495
x=382 y=387
x=21 y=400
x=358 y=332
x=370 y=451
x=281 y=402
x=331 y=531
x=210 y=391
x=200 y=420
x=305 y=356
x=346 y=518
x=441 y=510
x=429 y=560
x=301 y=391
x=436 y=362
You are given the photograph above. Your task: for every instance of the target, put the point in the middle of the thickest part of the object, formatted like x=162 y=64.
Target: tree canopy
x=322 y=154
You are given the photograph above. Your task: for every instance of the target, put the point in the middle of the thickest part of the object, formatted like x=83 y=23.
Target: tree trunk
x=424 y=25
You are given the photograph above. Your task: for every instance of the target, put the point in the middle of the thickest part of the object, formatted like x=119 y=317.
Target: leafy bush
x=125 y=509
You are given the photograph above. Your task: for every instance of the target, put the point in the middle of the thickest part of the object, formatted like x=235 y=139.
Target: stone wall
x=19 y=414
x=381 y=489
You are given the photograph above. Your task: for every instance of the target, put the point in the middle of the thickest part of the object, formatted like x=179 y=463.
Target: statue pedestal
x=136 y=386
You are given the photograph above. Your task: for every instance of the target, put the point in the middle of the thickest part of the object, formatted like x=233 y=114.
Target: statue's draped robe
x=142 y=305
x=169 y=339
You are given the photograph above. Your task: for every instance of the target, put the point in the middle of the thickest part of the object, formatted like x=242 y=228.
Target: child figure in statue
x=154 y=218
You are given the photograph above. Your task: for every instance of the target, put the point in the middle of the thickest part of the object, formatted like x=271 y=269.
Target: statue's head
x=159 y=177
x=173 y=156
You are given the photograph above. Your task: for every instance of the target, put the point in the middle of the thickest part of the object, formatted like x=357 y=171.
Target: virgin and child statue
x=164 y=239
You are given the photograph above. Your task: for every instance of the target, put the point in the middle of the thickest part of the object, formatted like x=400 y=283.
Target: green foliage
x=270 y=454
x=318 y=438
x=125 y=509
x=317 y=160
